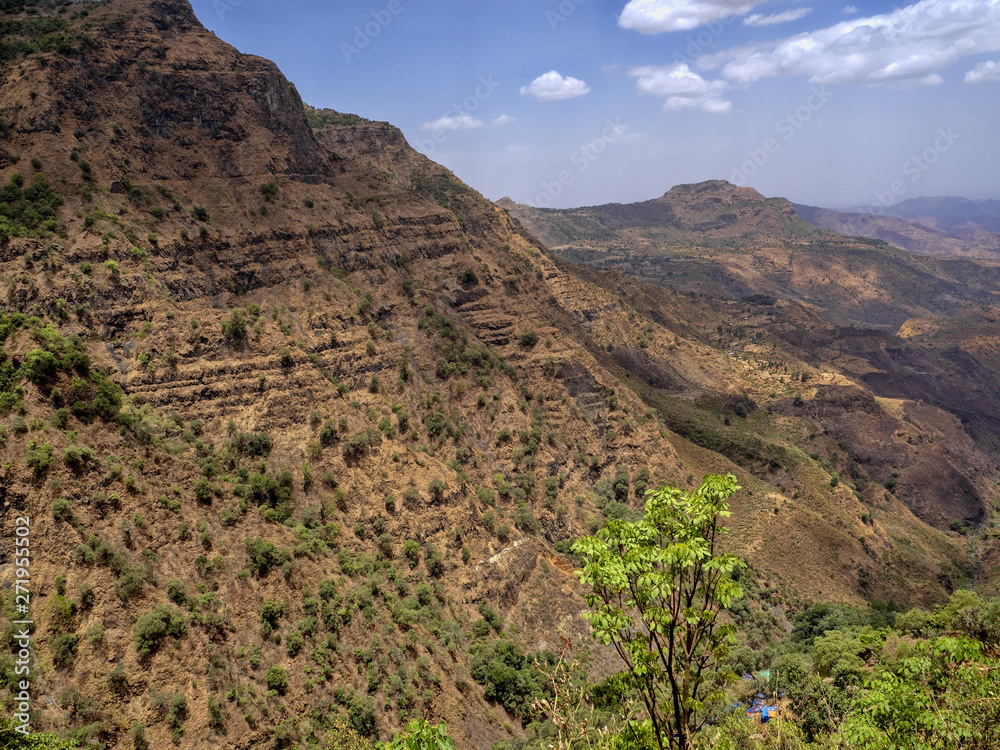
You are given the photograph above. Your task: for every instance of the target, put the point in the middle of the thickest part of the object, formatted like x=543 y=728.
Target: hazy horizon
x=582 y=102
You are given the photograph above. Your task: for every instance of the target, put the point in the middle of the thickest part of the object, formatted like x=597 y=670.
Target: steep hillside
x=304 y=426
x=796 y=358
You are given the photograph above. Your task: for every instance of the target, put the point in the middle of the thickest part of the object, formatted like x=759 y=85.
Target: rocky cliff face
x=321 y=372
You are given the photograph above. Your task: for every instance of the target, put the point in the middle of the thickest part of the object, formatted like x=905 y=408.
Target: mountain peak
x=716 y=188
x=175 y=16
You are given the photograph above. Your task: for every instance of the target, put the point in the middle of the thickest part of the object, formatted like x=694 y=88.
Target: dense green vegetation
x=446 y=191
x=13 y=740
x=28 y=211
x=843 y=677
x=321 y=119
x=37 y=33
x=89 y=393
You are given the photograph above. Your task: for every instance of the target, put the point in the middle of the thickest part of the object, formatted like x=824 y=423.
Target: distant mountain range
x=898 y=326
x=717 y=239
x=921 y=225
x=947 y=211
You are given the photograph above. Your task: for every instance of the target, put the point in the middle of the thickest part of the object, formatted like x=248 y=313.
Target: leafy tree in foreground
x=10 y=739
x=421 y=735
x=658 y=587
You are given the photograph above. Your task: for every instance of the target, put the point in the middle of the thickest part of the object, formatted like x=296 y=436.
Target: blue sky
x=577 y=102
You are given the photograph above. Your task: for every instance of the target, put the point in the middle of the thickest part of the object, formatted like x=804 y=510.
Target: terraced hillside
x=305 y=426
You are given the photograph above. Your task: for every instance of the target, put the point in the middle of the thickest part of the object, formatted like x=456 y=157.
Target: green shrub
x=361 y=714
x=63 y=649
x=60 y=417
x=277 y=680
x=271 y=611
x=264 y=555
x=508 y=676
x=362 y=444
x=489 y=519
x=256 y=444
x=412 y=552
x=275 y=494
x=130 y=583
x=435 y=562
x=203 y=490
x=216 y=713
x=177 y=592
x=86 y=594
x=95 y=633
x=39 y=458
x=524 y=518
x=328 y=433
x=79 y=457
x=235 y=328
x=385 y=545
x=150 y=629
x=62 y=510
x=61 y=611
x=118 y=680
x=490 y=615
x=137 y=733
x=437 y=489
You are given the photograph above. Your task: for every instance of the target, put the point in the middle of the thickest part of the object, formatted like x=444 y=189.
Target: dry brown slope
x=359 y=309
x=169 y=139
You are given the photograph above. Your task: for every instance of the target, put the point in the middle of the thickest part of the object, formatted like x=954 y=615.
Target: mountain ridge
x=342 y=419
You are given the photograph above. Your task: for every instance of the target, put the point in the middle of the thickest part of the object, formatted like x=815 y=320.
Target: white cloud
x=502 y=120
x=656 y=16
x=987 y=71
x=682 y=88
x=553 y=87
x=850 y=10
x=905 y=47
x=459 y=122
x=759 y=19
